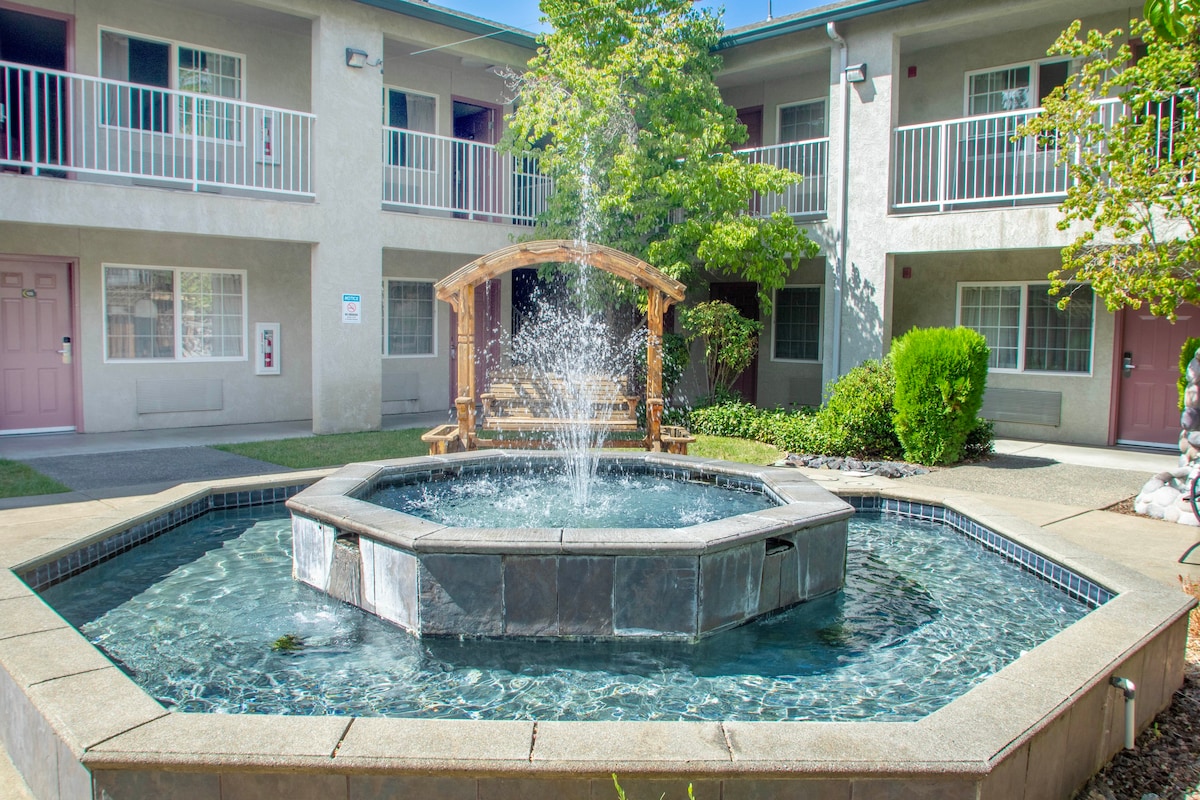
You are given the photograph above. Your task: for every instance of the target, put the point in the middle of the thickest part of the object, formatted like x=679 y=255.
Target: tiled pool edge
x=1022 y=723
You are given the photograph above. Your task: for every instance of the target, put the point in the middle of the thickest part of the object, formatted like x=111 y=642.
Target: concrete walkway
x=1059 y=487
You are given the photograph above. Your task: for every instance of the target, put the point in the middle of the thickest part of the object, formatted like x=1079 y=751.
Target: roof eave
x=463 y=22
x=803 y=22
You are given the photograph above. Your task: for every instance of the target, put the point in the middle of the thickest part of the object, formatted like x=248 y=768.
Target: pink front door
x=36 y=386
x=1148 y=375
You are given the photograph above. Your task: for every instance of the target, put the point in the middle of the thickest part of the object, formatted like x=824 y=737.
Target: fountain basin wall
x=77 y=727
x=676 y=583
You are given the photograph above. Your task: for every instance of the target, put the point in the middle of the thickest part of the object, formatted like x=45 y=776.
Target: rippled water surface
x=535 y=499
x=192 y=617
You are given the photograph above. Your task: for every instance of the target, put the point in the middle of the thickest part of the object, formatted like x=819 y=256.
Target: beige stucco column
x=346 y=369
x=859 y=325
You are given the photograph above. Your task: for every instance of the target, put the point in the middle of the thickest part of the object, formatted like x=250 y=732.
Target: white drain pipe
x=1127 y=686
x=839 y=268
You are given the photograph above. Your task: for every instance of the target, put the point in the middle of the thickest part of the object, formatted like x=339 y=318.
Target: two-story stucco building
x=231 y=212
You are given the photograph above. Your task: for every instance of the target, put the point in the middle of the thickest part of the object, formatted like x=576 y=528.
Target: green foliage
x=1135 y=203
x=1168 y=17
x=1186 y=354
x=856 y=419
x=620 y=107
x=940 y=377
x=730 y=341
x=622 y=796
x=19 y=480
x=736 y=419
x=981 y=441
x=288 y=643
x=333 y=449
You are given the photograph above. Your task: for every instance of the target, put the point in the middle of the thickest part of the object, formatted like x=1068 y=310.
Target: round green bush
x=940 y=377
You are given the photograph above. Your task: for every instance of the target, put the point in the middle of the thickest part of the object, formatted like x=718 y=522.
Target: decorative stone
x=1193 y=370
x=1189 y=420
x=1191 y=396
x=1193 y=438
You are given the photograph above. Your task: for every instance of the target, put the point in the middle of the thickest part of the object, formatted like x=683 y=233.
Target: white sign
x=351 y=309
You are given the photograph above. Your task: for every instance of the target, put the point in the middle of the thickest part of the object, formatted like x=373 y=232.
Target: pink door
x=36 y=388
x=1148 y=375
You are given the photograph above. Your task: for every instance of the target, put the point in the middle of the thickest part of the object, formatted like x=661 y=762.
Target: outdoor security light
x=856 y=73
x=358 y=59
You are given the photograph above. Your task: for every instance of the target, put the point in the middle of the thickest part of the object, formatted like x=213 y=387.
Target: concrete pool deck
x=1147 y=546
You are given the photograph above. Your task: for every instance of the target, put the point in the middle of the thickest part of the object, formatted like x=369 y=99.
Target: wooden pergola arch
x=458 y=289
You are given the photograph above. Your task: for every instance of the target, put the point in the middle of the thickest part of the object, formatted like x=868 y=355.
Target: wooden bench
x=518 y=401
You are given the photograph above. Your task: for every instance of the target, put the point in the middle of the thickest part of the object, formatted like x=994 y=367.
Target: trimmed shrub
x=735 y=419
x=981 y=441
x=1185 y=357
x=856 y=419
x=940 y=377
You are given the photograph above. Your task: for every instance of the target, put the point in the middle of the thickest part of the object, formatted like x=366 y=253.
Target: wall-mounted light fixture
x=358 y=59
x=855 y=73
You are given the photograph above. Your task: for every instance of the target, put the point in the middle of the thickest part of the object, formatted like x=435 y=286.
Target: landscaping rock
x=883 y=469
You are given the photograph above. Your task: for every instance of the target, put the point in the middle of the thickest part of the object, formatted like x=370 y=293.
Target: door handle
x=1127 y=364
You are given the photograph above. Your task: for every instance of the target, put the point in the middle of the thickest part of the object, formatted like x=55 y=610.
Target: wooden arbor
x=458 y=289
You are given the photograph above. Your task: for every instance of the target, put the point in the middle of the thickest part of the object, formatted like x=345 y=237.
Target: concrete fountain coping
x=78 y=727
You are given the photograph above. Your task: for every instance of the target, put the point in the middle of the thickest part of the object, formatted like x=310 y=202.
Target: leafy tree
x=1133 y=174
x=620 y=106
x=1167 y=17
x=730 y=341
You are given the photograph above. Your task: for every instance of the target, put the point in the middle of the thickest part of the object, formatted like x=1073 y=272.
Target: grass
x=18 y=480
x=742 y=450
x=333 y=450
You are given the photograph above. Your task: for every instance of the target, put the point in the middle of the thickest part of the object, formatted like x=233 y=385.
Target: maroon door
x=752 y=118
x=743 y=297
x=1148 y=375
x=37 y=390
x=487 y=337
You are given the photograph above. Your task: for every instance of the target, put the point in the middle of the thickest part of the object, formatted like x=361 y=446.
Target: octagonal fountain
x=718 y=545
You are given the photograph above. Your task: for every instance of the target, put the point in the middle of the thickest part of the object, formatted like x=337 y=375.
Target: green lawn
x=311 y=452
x=333 y=450
x=18 y=480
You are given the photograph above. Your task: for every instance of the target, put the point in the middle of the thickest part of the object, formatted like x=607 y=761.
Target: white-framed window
x=1013 y=87
x=405 y=110
x=174 y=314
x=797 y=329
x=163 y=64
x=409 y=318
x=801 y=122
x=1025 y=329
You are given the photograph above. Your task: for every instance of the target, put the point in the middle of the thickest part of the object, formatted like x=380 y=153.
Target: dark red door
x=744 y=297
x=1148 y=375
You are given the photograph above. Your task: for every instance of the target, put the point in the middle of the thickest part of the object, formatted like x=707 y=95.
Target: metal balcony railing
x=808 y=158
x=60 y=123
x=975 y=161
x=427 y=172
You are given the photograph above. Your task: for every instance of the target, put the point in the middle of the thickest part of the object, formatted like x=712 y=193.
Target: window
x=166 y=65
x=802 y=122
x=174 y=314
x=798 y=323
x=408 y=318
x=1013 y=88
x=409 y=111
x=1025 y=329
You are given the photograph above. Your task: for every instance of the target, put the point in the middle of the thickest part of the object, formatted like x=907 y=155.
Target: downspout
x=1130 y=691
x=839 y=266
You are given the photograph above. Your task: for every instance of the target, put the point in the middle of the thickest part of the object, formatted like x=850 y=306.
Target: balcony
x=66 y=125
x=981 y=161
x=426 y=173
x=809 y=159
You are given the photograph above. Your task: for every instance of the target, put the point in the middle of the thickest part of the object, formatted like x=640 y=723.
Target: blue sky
x=525 y=14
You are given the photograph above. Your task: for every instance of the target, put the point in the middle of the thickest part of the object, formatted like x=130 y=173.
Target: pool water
x=192 y=617
x=541 y=498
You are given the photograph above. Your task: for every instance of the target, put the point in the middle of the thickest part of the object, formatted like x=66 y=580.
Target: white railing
x=981 y=160
x=438 y=173
x=60 y=123
x=809 y=159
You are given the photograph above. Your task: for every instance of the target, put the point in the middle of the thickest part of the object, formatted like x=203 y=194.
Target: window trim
x=173 y=86
x=384 y=346
x=1035 y=67
x=824 y=101
x=177 y=312
x=1021 y=329
x=820 y=359
x=383 y=110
